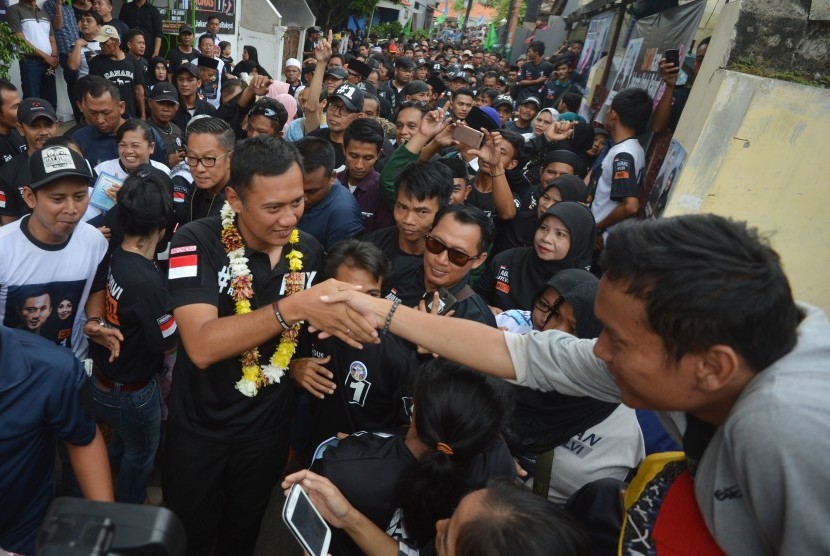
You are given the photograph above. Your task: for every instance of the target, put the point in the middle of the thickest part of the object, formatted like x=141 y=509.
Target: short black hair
x=741 y=296
x=213 y=126
x=489 y=92
x=537 y=46
x=145 y=203
x=633 y=107
x=426 y=180
x=354 y=253
x=264 y=155
x=267 y=103
x=6 y=86
x=470 y=215
x=417 y=104
x=515 y=140
x=131 y=34
x=205 y=37
x=464 y=91
x=94 y=15
x=514 y=520
x=365 y=130
x=136 y=124
x=97 y=87
x=231 y=84
x=212 y=17
x=457 y=166
x=316 y=153
x=572 y=101
x=337 y=55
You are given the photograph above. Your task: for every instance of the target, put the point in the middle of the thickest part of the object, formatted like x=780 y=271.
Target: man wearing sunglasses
x=456 y=245
x=267 y=117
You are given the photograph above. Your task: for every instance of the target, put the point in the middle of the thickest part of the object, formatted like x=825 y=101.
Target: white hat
x=293 y=62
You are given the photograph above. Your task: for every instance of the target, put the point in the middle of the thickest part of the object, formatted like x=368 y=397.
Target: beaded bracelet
x=389 y=316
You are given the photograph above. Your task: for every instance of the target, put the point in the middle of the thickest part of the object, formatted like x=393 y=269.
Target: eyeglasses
x=338 y=108
x=550 y=310
x=207 y=161
x=455 y=256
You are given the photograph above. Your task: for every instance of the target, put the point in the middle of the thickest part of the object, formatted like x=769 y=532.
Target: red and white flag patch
x=178 y=197
x=183 y=266
x=2 y=199
x=167 y=325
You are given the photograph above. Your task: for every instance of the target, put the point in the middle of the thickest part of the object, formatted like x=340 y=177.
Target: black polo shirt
x=147 y=18
x=205 y=402
x=403 y=264
x=11 y=145
x=183 y=115
x=372 y=387
x=139 y=305
x=191 y=203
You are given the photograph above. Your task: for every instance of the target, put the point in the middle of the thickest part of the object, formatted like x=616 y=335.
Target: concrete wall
x=758 y=152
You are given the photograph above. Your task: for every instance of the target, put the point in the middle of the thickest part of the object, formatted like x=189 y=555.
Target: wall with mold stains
x=758 y=151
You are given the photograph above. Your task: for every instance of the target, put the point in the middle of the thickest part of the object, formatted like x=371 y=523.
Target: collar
x=13 y=360
x=363 y=185
x=24 y=227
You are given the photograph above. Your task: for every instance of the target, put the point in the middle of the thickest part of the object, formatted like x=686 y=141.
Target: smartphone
x=468 y=136
x=446 y=301
x=672 y=56
x=306 y=523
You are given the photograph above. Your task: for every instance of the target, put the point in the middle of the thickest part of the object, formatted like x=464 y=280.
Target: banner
x=652 y=36
x=225 y=10
x=598 y=30
x=669 y=172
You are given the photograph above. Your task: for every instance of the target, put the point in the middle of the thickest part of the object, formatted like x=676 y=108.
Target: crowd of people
x=409 y=277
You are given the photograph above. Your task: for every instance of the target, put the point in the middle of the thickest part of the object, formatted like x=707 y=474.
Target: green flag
x=492 y=37
x=443 y=17
x=407 y=29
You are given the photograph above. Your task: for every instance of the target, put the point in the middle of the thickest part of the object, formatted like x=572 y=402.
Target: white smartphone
x=306 y=523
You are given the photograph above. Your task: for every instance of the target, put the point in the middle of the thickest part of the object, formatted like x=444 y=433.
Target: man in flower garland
x=229 y=409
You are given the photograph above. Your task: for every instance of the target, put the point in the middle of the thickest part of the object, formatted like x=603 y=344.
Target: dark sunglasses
x=456 y=257
x=269 y=113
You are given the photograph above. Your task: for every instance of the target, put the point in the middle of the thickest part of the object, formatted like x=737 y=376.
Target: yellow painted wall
x=758 y=151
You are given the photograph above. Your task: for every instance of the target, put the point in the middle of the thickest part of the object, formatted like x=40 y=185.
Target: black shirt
x=404 y=264
x=146 y=17
x=532 y=71
x=13 y=176
x=11 y=144
x=372 y=387
x=175 y=57
x=191 y=203
x=205 y=402
x=183 y=115
x=171 y=135
x=137 y=304
x=339 y=156
x=124 y=74
x=367 y=468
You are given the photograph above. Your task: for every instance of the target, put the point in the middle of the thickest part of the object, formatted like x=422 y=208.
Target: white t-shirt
x=609 y=449
x=44 y=288
x=621 y=177
x=113 y=168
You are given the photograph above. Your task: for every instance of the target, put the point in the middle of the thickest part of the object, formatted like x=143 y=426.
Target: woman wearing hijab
x=290 y=104
x=564 y=239
x=586 y=438
x=564 y=188
x=250 y=63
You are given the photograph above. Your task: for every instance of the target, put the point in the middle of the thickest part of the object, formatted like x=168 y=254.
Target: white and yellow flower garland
x=255 y=376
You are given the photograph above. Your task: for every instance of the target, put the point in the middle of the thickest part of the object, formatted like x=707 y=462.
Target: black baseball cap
x=337 y=71
x=503 y=99
x=360 y=68
x=189 y=67
x=421 y=62
x=460 y=76
x=532 y=100
x=163 y=91
x=33 y=108
x=414 y=87
x=351 y=96
x=53 y=163
x=184 y=28
x=405 y=62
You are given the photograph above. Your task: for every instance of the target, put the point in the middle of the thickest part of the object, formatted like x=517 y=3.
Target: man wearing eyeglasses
x=345 y=105
x=210 y=143
x=456 y=245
